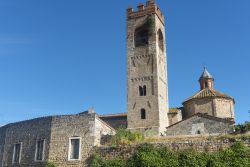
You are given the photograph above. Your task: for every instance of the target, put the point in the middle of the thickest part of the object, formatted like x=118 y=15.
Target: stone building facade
x=54 y=135
x=200 y=124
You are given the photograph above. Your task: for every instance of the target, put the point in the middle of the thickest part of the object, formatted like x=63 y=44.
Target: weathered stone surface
x=116 y=121
x=27 y=133
x=200 y=124
x=126 y=152
x=146 y=66
x=56 y=131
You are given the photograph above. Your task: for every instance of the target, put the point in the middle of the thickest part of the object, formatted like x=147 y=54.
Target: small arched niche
x=160 y=39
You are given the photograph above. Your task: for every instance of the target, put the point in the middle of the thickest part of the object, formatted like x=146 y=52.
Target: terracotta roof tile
x=208 y=93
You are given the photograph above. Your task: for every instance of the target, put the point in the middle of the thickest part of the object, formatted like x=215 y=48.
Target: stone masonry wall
x=27 y=133
x=126 y=152
x=102 y=129
x=2 y=141
x=199 y=106
x=56 y=131
x=198 y=124
x=65 y=127
x=224 y=108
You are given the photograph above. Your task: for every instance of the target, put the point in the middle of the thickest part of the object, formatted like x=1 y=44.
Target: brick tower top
x=150 y=8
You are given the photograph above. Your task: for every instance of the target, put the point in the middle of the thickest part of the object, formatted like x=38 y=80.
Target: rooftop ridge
x=207 y=93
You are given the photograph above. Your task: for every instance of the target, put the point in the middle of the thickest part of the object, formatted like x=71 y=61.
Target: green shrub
x=124 y=136
x=149 y=156
x=97 y=161
x=51 y=164
x=242 y=128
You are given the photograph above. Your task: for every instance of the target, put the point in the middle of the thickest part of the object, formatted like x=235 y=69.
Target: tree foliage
x=242 y=128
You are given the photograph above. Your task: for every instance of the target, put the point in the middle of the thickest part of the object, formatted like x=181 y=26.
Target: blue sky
x=64 y=56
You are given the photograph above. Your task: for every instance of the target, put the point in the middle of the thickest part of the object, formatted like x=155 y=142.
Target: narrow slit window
x=17 y=153
x=143 y=113
x=144 y=90
x=160 y=40
x=140 y=91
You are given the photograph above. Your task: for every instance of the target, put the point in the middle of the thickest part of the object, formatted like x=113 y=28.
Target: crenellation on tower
x=142 y=10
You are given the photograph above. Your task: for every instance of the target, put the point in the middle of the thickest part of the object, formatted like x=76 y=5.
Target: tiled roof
x=205 y=93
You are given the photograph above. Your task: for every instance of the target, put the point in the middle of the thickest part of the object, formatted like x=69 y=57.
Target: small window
x=140 y=91
x=143 y=113
x=206 y=85
x=198 y=132
x=17 y=153
x=39 y=156
x=143 y=90
x=74 y=148
x=160 y=40
x=141 y=36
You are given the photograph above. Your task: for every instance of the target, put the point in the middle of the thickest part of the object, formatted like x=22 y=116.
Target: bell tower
x=206 y=80
x=147 y=85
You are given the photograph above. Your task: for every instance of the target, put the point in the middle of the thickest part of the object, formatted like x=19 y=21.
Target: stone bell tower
x=147 y=85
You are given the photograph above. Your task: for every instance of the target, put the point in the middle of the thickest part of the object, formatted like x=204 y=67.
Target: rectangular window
x=39 y=156
x=17 y=153
x=74 y=148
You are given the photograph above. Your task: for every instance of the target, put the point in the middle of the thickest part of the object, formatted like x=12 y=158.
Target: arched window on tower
x=144 y=90
x=141 y=36
x=140 y=91
x=143 y=113
x=160 y=40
